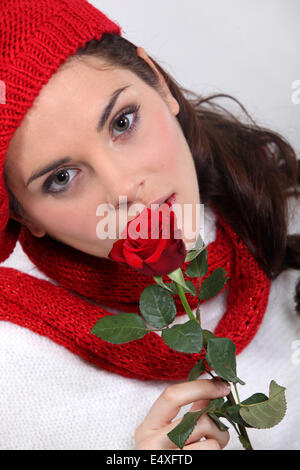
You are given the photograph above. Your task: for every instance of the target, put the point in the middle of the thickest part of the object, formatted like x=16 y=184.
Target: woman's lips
x=169 y=198
x=172 y=199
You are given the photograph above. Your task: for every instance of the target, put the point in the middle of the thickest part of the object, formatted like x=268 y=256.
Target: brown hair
x=246 y=170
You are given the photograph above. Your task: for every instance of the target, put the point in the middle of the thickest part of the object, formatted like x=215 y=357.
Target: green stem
x=225 y=415
x=198 y=306
x=198 y=314
x=241 y=428
x=185 y=303
x=208 y=371
x=230 y=397
x=237 y=395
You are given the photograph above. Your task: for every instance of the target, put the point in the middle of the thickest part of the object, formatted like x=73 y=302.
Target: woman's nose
x=125 y=191
x=118 y=180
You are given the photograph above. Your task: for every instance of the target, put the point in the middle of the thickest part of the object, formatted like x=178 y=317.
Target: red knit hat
x=36 y=37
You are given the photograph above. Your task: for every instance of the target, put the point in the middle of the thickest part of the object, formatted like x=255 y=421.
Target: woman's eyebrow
x=108 y=108
x=104 y=117
x=47 y=169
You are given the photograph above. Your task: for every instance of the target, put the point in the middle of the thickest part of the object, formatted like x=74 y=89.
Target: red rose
x=143 y=247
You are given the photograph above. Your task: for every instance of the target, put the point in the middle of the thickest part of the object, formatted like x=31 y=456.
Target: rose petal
x=116 y=252
x=171 y=258
x=134 y=261
x=157 y=253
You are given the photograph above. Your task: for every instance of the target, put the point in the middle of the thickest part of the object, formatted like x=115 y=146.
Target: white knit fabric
x=53 y=399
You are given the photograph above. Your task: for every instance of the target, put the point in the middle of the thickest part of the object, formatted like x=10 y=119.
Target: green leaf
x=217 y=403
x=177 y=276
x=197 y=370
x=193 y=269
x=226 y=405
x=172 y=287
x=199 y=245
x=121 y=328
x=206 y=336
x=202 y=263
x=268 y=413
x=233 y=413
x=218 y=422
x=157 y=306
x=213 y=284
x=184 y=429
x=191 y=288
x=159 y=281
x=198 y=266
x=220 y=355
x=184 y=338
x=197 y=248
x=256 y=398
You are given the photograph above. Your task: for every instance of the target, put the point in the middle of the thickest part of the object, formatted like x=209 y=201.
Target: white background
x=248 y=49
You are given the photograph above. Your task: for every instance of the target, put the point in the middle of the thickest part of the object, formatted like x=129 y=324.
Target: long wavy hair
x=246 y=170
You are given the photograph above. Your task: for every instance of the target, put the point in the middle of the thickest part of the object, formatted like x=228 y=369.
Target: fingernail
x=223 y=386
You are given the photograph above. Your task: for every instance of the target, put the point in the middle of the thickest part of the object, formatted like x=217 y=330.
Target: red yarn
x=57 y=312
x=37 y=36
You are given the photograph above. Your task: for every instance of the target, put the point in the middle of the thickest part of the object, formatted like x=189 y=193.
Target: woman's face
x=138 y=151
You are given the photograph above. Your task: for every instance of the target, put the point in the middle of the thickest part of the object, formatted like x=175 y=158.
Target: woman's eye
x=124 y=125
x=61 y=179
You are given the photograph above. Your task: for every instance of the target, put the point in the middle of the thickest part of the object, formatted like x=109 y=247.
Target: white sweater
x=53 y=399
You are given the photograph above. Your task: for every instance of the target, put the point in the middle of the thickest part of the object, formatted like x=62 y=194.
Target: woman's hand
x=152 y=432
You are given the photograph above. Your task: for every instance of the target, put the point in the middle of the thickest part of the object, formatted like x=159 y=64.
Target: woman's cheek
x=160 y=147
x=67 y=220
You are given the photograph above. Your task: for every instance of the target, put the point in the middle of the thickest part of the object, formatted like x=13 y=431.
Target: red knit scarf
x=60 y=313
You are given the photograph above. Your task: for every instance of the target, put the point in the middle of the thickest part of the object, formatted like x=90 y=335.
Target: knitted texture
x=57 y=312
x=36 y=37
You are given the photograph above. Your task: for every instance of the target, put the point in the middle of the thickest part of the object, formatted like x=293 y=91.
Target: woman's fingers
x=207 y=444
x=199 y=405
x=205 y=427
x=168 y=404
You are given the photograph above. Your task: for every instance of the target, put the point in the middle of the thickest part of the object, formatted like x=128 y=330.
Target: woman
x=90 y=117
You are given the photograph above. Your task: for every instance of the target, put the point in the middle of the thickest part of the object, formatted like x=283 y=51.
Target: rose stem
x=185 y=303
